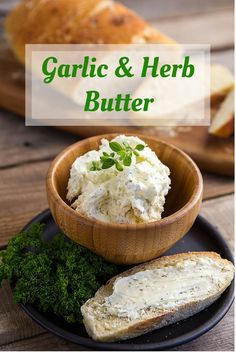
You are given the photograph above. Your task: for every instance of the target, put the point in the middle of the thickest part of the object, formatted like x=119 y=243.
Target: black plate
x=202 y=237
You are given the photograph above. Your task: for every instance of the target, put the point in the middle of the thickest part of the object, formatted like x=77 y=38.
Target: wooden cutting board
x=212 y=154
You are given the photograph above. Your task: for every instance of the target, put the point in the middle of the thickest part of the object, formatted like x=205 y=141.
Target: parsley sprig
x=120 y=157
x=54 y=276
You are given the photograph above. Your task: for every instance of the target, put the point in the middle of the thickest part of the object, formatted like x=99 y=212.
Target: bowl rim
x=51 y=188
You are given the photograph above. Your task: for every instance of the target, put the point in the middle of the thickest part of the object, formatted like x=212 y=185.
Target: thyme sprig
x=120 y=157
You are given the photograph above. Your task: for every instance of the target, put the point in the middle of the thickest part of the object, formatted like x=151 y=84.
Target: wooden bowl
x=128 y=243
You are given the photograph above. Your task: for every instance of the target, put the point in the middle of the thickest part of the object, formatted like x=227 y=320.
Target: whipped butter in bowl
x=126 y=198
x=122 y=182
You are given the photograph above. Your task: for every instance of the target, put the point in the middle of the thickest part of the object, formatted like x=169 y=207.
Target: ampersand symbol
x=122 y=70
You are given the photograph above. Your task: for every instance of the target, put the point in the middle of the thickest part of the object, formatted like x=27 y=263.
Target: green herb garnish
x=120 y=157
x=57 y=276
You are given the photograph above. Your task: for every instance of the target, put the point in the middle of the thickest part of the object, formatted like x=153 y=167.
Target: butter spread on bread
x=156 y=294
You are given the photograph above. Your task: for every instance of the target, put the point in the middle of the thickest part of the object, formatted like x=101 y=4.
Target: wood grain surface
x=210 y=153
x=25 y=155
x=199 y=29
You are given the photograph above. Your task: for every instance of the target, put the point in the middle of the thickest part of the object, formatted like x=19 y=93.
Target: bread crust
x=76 y=21
x=142 y=326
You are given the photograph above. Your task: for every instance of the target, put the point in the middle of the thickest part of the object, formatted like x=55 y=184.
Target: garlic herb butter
x=122 y=182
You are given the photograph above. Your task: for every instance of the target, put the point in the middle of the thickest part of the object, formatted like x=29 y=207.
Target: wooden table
x=26 y=152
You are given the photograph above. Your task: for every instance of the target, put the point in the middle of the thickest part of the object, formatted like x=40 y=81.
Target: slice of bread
x=156 y=294
x=223 y=121
x=222 y=82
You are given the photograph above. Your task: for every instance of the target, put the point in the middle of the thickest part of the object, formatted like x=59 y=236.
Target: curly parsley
x=57 y=276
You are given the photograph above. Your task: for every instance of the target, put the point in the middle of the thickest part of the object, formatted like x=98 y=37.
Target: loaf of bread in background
x=76 y=22
x=214 y=275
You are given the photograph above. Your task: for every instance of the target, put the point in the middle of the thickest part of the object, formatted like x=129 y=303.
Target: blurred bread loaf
x=76 y=21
